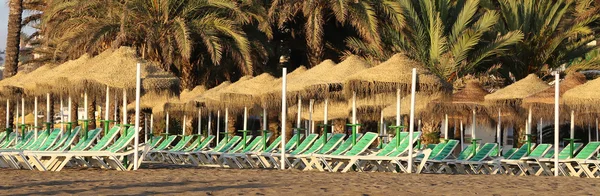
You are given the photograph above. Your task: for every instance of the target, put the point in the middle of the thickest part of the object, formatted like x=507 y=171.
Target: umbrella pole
x=541 y=130
x=596 y=129
x=70 y=123
x=589 y=132
x=145 y=128
x=412 y=120
x=138 y=82
x=85 y=115
x=529 y=120
x=199 y=122
x=556 y=123
x=167 y=124
x=398 y=127
x=325 y=125
x=572 y=124
x=299 y=120
x=445 y=127
x=462 y=136
x=354 y=124
x=499 y=133
x=283 y=116
x=310 y=113
x=265 y=131
x=48 y=117
x=381 y=130
x=151 y=125
x=106 y=115
x=218 y=124
x=62 y=117
x=23 y=126
x=8 y=116
x=183 y=125
x=35 y=114
x=474 y=125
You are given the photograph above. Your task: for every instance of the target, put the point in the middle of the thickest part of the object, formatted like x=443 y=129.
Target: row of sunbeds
x=53 y=150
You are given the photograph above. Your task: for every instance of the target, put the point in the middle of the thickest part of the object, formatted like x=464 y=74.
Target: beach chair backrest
x=522 y=151
x=588 y=151
x=9 y=140
x=253 y=144
x=230 y=144
x=85 y=144
x=239 y=145
x=2 y=135
x=565 y=153
x=345 y=146
x=362 y=144
x=292 y=142
x=26 y=140
x=67 y=144
x=333 y=142
x=155 y=141
x=540 y=150
x=318 y=144
x=403 y=147
x=273 y=145
x=42 y=136
x=441 y=146
x=109 y=137
x=483 y=152
x=123 y=142
x=305 y=144
x=391 y=146
x=430 y=146
x=446 y=151
x=509 y=152
x=166 y=142
x=204 y=143
x=181 y=144
x=193 y=144
x=50 y=140
x=466 y=153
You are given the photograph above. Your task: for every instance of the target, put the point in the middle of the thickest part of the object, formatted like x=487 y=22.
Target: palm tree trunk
x=13 y=38
x=52 y=112
x=187 y=78
x=91 y=113
x=273 y=122
x=339 y=126
x=74 y=109
x=431 y=133
x=231 y=125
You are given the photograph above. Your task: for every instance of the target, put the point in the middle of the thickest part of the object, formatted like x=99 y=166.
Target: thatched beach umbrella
x=272 y=98
x=509 y=99
x=241 y=95
x=467 y=100
x=543 y=101
x=212 y=97
x=585 y=99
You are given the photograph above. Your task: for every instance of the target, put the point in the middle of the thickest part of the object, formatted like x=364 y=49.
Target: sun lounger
x=300 y=161
x=580 y=164
x=334 y=163
x=475 y=163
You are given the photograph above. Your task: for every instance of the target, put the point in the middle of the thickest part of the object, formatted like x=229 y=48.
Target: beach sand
x=177 y=180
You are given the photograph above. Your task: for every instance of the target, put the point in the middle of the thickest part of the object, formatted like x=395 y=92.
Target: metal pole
x=152 y=124
x=199 y=121
x=167 y=124
x=62 y=117
x=446 y=127
x=145 y=128
x=138 y=82
x=35 y=113
x=124 y=107
x=310 y=113
x=412 y=119
x=596 y=129
x=462 y=136
x=556 y=123
x=218 y=123
x=116 y=111
x=397 y=107
x=572 y=124
x=474 y=125
x=183 y=125
x=283 y=116
x=325 y=111
x=499 y=133
x=541 y=130
x=107 y=104
x=7 y=113
x=529 y=121
x=265 y=127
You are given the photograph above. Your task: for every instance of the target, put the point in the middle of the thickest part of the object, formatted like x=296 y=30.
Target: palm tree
x=13 y=38
x=451 y=38
x=181 y=34
x=318 y=24
x=556 y=33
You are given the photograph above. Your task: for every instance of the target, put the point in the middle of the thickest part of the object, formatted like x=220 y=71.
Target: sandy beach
x=176 y=180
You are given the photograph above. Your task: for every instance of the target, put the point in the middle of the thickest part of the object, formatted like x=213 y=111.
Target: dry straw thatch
x=212 y=99
x=584 y=98
x=153 y=101
x=542 y=103
x=388 y=76
x=471 y=97
x=335 y=110
x=297 y=83
x=421 y=102
x=113 y=68
x=246 y=93
x=510 y=97
x=272 y=98
x=329 y=83
x=184 y=103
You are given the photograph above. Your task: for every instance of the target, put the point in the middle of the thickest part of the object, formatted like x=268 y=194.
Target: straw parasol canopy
x=471 y=97
x=272 y=98
x=422 y=99
x=335 y=110
x=542 y=102
x=388 y=76
x=584 y=98
x=153 y=101
x=329 y=83
x=211 y=98
x=297 y=83
x=510 y=97
x=184 y=103
x=113 y=68
x=246 y=93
